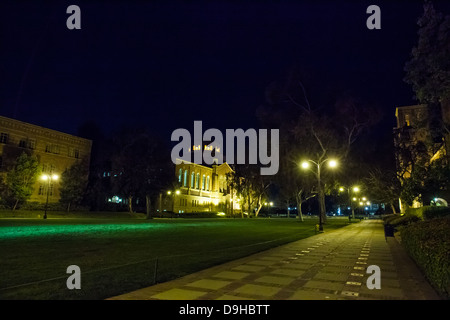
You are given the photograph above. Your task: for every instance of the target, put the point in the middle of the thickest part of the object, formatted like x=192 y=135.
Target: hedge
x=428 y=243
x=397 y=221
x=429 y=212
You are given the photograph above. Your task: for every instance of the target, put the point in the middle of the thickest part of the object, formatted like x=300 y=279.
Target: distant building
x=201 y=189
x=55 y=151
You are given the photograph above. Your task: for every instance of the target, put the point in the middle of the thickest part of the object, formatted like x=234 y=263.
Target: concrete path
x=328 y=266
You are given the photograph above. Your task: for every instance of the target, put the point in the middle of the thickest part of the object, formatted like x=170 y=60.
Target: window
x=1 y=162
x=48 y=168
x=4 y=137
x=52 y=148
x=32 y=144
x=180 y=172
x=192 y=179
x=185 y=178
x=27 y=143
x=197 y=181
x=41 y=190
x=204 y=182
x=75 y=153
x=207 y=183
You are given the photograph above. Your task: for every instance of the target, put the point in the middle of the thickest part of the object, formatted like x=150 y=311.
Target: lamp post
x=49 y=178
x=173 y=199
x=355 y=189
x=318 y=165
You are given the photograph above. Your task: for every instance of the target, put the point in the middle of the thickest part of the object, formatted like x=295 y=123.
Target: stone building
x=55 y=151
x=202 y=189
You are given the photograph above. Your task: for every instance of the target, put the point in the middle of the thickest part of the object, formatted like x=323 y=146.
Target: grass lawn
x=118 y=255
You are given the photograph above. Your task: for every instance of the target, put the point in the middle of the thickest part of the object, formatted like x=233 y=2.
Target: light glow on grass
x=77 y=229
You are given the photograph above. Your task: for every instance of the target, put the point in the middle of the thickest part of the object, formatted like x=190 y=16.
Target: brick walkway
x=328 y=266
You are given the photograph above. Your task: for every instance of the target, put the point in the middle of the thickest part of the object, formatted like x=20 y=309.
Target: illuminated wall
x=202 y=189
x=54 y=150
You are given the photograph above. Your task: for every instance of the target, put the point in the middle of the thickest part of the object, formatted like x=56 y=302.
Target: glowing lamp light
x=341 y=189
x=177 y=192
x=46 y=177
x=305 y=165
x=355 y=189
x=332 y=163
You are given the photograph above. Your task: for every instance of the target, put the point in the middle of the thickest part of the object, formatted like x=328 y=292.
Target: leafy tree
x=99 y=186
x=140 y=166
x=428 y=70
x=249 y=184
x=427 y=182
x=20 y=179
x=73 y=184
x=383 y=186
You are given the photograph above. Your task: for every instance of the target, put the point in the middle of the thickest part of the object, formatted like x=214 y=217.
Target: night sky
x=164 y=64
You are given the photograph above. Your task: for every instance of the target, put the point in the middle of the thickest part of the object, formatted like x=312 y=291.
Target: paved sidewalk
x=328 y=266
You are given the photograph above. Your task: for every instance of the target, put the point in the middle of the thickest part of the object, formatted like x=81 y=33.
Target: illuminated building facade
x=202 y=189
x=54 y=150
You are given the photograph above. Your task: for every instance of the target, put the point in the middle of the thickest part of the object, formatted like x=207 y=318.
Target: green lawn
x=118 y=255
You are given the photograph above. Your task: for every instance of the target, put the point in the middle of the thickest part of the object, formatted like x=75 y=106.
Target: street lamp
x=49 y=178
x=332 y=163
x=354 y=189
x=177 y=192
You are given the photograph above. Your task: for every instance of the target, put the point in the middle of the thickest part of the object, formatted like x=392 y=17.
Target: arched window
x=179 y=175
x=207 y=183
x=204 y=182
x=185 y=178
x=192 y=180
x=197 y=181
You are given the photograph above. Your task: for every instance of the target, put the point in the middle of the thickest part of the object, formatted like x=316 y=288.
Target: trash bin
x=388 y=230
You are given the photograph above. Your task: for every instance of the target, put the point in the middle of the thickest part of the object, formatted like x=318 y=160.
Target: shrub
x=402 y=220
x=429 y=212
x=387 y=219
x=427 y=243
x=435 y=212
x=418 y=212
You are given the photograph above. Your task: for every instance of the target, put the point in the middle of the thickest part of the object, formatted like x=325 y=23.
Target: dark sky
x=167 y=63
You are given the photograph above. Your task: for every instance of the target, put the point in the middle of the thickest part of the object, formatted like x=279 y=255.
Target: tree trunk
x=68 y=207
x=259 y=208
x=299 y=210
x=148 y=205
x=130 y=204
x=15 y=204
x=393 y=208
